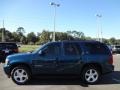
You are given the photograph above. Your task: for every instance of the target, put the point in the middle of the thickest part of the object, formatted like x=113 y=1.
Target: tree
x=23 y=40
x=20 y=31
x=89 y=38
x=106 y=41
x=69 y=33
x=44 y=37
x=118 y=41
x=31 y=37
x=76 y=35
x=16 y=37
x=8 y=36
x=112 y=41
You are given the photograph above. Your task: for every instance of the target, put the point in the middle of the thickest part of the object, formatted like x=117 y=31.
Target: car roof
x=7 y=43
x=79 y=41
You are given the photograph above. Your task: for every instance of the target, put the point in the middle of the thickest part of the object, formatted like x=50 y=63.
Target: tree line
x=46 y=36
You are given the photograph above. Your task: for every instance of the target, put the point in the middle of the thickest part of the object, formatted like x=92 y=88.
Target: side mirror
x=40 y=52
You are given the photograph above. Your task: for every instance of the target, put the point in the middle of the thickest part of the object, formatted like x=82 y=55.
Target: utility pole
x=3 y=33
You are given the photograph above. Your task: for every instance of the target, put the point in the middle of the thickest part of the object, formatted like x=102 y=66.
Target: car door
x=71 y=59
x=46 y=63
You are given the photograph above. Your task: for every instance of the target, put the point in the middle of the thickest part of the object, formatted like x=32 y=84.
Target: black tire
x=84 y=76
x=24 y=71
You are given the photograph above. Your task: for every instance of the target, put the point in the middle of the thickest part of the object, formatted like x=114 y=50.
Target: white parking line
x=117 y=80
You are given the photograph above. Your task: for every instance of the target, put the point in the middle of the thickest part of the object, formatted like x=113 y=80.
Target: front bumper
x=7 y=70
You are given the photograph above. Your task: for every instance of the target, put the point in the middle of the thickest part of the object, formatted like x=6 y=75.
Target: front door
x=46 y=63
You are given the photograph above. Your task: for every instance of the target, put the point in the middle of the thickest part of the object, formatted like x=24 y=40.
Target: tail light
x=110 y=60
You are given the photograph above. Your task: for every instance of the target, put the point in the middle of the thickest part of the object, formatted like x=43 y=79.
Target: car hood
x=23 y=56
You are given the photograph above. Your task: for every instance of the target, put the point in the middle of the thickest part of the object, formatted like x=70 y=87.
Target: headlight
x=6 y=61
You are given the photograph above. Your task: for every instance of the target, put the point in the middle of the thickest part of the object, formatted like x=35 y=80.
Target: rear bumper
x=7 y=70
x=116 y=51
x=108 y=69
x=2 y=58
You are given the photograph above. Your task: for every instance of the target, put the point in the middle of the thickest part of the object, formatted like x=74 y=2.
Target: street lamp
x=55 y=5
x=3 y=33
x=99 y=16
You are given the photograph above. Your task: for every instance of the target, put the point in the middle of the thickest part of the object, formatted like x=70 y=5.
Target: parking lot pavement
x=108 y=82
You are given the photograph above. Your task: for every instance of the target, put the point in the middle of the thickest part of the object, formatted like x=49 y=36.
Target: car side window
x=72 y=49
x=52 y=50
x=93 y=48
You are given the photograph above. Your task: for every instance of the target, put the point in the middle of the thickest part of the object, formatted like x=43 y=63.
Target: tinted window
x=52 y=49
x=72 y=49
x=2 y=46
x=11 y=46
x=8 y=46
x=117 y=46
x=94 y=48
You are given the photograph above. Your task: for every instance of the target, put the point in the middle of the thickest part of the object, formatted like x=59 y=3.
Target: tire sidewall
x=26 y=70
x=84 y=72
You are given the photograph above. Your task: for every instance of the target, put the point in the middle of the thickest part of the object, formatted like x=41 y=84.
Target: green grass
x=27 y=48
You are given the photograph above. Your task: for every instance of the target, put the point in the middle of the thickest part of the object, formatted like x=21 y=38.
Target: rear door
x=71 y=59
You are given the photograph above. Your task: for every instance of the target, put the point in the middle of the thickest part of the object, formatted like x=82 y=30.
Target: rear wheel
x=90 y=75
x=20 y=75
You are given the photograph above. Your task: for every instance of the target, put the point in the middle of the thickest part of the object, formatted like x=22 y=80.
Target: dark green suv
x=87 y=59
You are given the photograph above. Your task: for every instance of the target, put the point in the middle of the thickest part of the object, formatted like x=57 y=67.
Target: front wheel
x=20 y=75
x=90 y=75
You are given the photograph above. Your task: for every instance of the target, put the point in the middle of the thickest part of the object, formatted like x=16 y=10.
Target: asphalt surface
x=108 y=82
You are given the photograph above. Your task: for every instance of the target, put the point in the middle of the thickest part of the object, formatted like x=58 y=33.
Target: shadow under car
x=112 y=78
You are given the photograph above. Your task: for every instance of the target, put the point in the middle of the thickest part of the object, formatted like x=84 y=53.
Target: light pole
x=55 y=5
x=100 y=36
x=3 y=33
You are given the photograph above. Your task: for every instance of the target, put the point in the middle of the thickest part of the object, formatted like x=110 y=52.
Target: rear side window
x=72 y=49
x=117 y=46
x=11 y=46
x=96 y=48
x=8 y=46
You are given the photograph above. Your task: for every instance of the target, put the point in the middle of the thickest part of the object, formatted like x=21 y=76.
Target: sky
x=80 y=15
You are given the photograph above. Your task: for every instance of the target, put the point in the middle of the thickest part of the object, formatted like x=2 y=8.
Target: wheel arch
x=96 y=65
x=20 y=64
